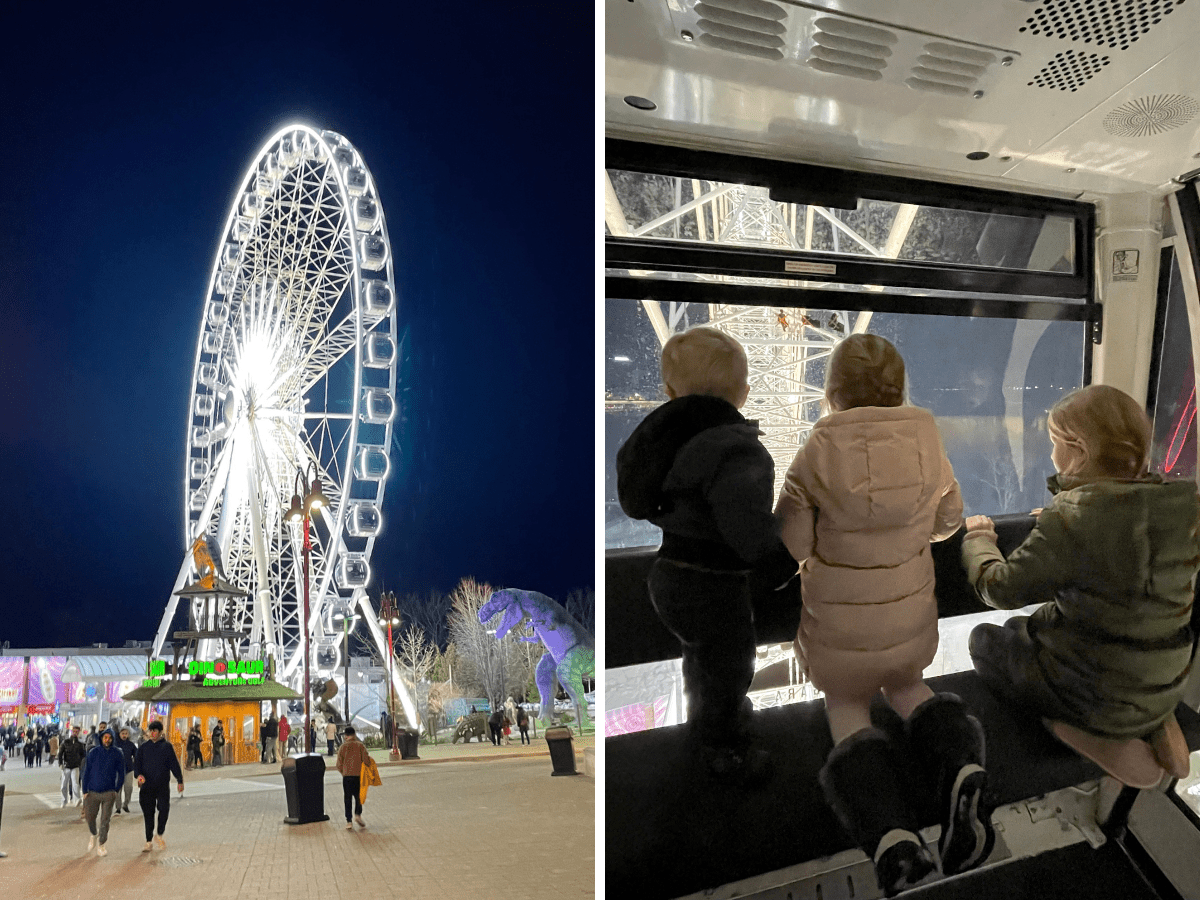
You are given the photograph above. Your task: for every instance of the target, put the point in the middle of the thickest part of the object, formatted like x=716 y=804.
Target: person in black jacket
x=194 y=756
x=153 y=765
x=696 y=468
x=70 y=757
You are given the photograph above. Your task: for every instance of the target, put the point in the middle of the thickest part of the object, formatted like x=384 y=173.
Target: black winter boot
x=949 y=745
x=861 y=785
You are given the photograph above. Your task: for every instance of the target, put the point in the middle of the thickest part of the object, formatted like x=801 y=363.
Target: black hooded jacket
x=695 y=467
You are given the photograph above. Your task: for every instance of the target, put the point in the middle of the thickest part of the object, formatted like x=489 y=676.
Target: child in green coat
x=1114 y=556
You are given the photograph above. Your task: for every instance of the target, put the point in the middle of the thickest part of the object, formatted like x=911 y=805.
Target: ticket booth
x=200 y=700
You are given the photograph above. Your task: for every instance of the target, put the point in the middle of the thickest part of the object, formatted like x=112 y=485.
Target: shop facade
x=239 y=701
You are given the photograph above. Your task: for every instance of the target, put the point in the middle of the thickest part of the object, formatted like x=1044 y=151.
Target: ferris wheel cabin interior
x=1006 y=191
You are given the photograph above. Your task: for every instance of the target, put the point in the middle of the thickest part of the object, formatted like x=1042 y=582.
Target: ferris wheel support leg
x=406 y=699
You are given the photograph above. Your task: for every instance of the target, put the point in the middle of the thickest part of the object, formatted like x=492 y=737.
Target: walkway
x=465 y=822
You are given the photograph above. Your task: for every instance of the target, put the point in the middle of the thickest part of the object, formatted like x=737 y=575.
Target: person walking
x=193 y=748
x=285 y=733
x=523 y=724
x=153 y=765
x=218 y=745
x=270 y=734
x=330 y=737
x=129 y=750
x=52 y=746
x=70 y=758
x=495 y=723
x=104 y=777
x=350 y=760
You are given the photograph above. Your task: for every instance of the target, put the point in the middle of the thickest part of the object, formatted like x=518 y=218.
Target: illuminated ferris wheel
x=295 y=367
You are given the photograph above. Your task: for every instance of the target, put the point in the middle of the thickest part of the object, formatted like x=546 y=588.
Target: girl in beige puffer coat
x=863 y=499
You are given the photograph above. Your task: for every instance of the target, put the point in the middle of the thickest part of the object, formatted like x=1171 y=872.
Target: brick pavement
x=483 y=823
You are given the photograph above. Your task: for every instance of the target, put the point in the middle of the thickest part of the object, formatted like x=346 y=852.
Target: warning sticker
x=809 y=268
x=1125 y=265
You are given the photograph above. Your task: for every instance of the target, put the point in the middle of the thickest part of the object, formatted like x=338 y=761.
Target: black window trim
x=680 y=162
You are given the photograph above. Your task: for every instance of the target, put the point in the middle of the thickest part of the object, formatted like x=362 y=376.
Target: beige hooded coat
x=861 y=502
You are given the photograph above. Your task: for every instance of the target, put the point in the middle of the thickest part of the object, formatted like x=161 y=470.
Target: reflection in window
x=1174 y=450
x=988 y=382
x=697 y=210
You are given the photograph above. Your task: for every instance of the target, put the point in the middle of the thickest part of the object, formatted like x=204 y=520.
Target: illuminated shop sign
x=220 y=672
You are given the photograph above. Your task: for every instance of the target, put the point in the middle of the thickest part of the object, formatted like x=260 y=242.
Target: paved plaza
x=464 y=821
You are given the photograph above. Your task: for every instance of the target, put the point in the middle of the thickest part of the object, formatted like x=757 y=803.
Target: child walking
x=1114 y=557
x=863 y=499
x=696 y=468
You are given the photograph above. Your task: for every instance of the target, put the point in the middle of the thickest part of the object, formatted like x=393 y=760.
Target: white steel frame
x=786 y=361
x=281 y=378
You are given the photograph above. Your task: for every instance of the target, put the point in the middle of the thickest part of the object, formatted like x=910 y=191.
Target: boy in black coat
x=696 y=468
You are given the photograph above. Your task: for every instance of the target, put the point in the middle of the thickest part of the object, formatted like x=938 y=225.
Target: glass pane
x=248 y=729
x=697 y=210
x=1174 y=452
x=988 y=382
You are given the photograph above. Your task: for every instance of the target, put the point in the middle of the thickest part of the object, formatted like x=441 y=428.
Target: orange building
x=237 y=706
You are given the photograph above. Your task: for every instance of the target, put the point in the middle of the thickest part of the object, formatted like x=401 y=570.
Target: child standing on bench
x=696 y=468
x=1114 y=556
x=865 y=496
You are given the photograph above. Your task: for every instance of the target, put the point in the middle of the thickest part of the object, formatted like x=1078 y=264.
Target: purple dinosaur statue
x=570 y=649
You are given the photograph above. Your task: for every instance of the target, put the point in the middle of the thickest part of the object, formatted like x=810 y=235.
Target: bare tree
x=1002 y=479
x=483 y=662
x=429 y=612
x=416 y=657
x=581 y=603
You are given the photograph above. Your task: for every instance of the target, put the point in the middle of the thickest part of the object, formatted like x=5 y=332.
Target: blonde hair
x=705 y=361
x=865 y=370
x=1111 y=428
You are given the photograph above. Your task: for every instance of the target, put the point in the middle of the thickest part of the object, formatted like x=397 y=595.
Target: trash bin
x=304 y=785
x=562 y=750
x=409 y=738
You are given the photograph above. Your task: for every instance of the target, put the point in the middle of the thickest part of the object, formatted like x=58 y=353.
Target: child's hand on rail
x=980 y=526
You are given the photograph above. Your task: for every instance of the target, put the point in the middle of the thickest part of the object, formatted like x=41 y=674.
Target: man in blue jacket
x=102 y=778
x=153 y=765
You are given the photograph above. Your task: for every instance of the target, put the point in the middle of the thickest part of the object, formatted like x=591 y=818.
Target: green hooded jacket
x=1116 y=562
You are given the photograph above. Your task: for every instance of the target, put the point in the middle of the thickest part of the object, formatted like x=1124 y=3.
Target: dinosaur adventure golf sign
x=220 y=672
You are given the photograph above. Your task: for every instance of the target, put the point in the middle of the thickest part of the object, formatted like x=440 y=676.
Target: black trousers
x=495 y=733
x=350 y=786
x=525 y=734
x=710 y=613
x=148 y=799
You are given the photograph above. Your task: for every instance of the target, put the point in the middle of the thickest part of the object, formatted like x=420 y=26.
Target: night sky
x=124 y=143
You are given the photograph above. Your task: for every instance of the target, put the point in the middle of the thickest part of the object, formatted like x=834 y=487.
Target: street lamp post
x=347 y=619
x=301 y=512
x=389 y=615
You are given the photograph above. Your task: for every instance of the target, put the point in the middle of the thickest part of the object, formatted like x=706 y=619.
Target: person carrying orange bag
x=353 y=762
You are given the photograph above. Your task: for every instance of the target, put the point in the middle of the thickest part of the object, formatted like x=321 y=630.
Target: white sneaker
x=159 y=843
x=64 y=805
x=91 y=843
x=100 y=851
x=149 y=846
x=361 y=823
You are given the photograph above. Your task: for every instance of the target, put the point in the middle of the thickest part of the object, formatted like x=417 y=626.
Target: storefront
x=235 y=699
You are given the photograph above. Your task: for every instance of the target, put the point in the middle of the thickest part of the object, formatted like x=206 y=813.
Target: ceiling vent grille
x=749 y=27
x=1148 y=116
x=1069 y=70
x=840 y=47
x=949 y=69
x=1105 y=23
